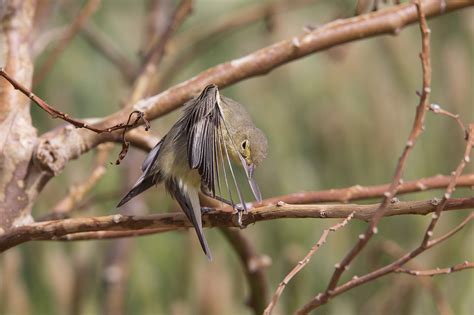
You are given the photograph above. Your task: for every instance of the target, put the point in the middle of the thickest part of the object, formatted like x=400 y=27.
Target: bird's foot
x=206 y=210
x=240 y=210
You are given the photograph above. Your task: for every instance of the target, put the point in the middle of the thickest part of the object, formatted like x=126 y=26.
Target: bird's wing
x=188 y=198
x=148 y=178
x=152 y=156
x=201 y=121
x=204 y=124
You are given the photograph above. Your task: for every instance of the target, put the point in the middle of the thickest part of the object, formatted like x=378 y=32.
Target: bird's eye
x=244 y=145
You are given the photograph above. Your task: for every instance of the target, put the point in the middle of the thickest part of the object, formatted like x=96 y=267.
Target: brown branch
x=387 y=21
x=359 y=192
x=193 y=42
x=302 y=263
x=16 y=130
x=154 y=56
x=357 y=281
x=86 y=12
x=54 y=113
x=254 y=266
x=395 y=251
x=106 y=235
x=157 y=50
x=417 y=129
x=435 y=108
x=437 y=271
x=426 y=243
x=451 y=186
x=52 y=230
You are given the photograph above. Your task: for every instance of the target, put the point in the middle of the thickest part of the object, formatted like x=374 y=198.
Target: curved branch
x=387 y=21
x=52 y=230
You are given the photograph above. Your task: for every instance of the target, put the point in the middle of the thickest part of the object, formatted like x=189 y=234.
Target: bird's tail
x=140 y=186
x=148 y=178
x=188 y=198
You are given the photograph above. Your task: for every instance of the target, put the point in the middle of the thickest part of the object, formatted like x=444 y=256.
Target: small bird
x=198 y=149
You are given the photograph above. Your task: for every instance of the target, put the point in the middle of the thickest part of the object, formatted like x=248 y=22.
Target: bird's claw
x=206 y=210
x=239 y=210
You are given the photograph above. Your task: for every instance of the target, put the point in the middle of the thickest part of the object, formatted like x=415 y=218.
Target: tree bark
x=17 y=135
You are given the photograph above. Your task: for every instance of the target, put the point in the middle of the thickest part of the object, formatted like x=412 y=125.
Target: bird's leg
x=206 y=210
x=206 y=192
x=239 y=209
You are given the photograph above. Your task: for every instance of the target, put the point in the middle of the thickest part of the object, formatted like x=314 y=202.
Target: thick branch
x=388 y=21
x=17 y=135
x=51 y=230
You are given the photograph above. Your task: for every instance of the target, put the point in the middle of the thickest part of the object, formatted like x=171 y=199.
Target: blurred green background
x=334 y=119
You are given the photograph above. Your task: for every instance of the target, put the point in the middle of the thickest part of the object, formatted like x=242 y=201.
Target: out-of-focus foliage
x=333 y=119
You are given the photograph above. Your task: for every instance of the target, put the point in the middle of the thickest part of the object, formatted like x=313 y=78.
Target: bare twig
x=395 y=251
x=387 y=21
x=414 y=134
x=302 y=263
x=435 y=108
x=52 y=230
x=451 y=186
x=425 y=244
x=54 y=113
x=191 y=43
x=89 y=8
x=359 y=192
x=437 y=271
x=105 y=235
x=357 y=281
x=157 y=51
x=333 y=289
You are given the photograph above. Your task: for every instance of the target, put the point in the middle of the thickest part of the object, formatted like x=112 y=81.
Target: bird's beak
x=253 y=184
x=249 y=168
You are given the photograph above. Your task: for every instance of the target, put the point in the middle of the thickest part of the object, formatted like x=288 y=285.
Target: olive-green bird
x=198 y=149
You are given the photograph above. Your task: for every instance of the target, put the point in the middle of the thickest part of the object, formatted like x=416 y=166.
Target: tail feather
x=188 y=198
x=140 y=186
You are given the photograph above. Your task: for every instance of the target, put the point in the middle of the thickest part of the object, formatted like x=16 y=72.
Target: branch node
x=435 y=201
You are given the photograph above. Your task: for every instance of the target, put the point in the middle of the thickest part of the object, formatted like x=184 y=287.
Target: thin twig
x=154 y=56
x=193 y=42
x=395 y=251
x=417 y=129
x=89 y=8
x=54 y=113
x=302 y=263
x=450 y=189
x=357 y=281
x=387 y=21
x=426 y=243
x=437 y=271
x=359 y=192
x=435 y=108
